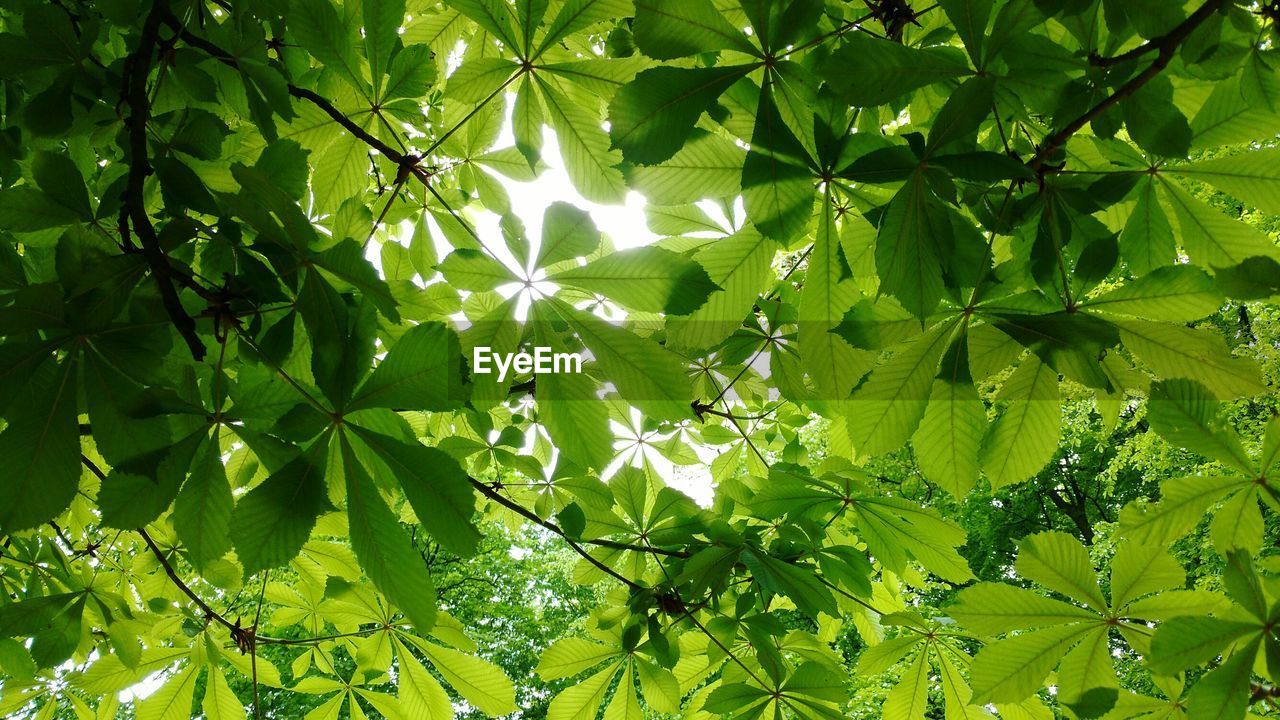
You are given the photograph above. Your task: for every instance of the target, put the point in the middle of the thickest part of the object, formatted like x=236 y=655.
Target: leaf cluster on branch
x=245 y=258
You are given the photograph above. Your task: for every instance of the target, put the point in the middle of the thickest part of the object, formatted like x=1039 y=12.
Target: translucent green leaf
x=885 y=410
x=1138 y=570
x=1180 y=293
x=435 y=486
x=1025 y=436
x=647 y=278
x=1012 y=669
x=706 y=166
x=666 y=29
x=202 y=510
x=1061 y=563
x=647 y=375
x=909 y=698
x=1210 y=237
x=422 y=371
x=1253 y=177
x=1181 y=352
x=738 y=264
x=480 y=683
x=271 y=522
x=651 y=117
x=993 y=609
x=1186 y=414
x=871 y=71
x=383 y=548
x=584 y=699
x=41 y=447
x=475 y=270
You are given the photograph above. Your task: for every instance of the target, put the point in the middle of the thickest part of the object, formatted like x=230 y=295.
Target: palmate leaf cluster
x=241 y=282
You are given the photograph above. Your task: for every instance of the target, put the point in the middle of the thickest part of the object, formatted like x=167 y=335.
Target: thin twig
x=1166 y=45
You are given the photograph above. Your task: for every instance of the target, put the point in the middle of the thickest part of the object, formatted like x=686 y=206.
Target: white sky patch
x=626 y=227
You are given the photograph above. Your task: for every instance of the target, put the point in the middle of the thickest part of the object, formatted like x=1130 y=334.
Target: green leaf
x=909 y=242
x=584 y=147
x=173 y=700
x=646 y=278
x=833 y=364
x=26 y=209
x=909 y=698
x=383 y=549
x=1212 y=238
x=993 y=609
x=886 y=409
x=706 y=166
x=272 y=521
x=421 y=695
x=1025 y=436
x=1059 y=562
x=575 y=15
x=382 y=19
x=1224 y=691
x=479 y=683
x=41 y=447
x=1179 y=293
x=1183 y=502
x=1154 y=123
x=739 y=265
x=1147 y=241
x=59 y=177
x=584 y=699
x=1087 y=676
x=495 y=16
x=1138 y=570
x=647 y=375
x=220 y=702
x=777 y=184
x=1253 y=177
x=475 y=270
x=437 y=489
x=569 y=407
x=970 y=18
x=963 y=112
x=527 y=121
x=567 y=233
x=1180 y=352
x=569 y=656
x=651 y=117
x=666 y=29
x=1186 y=414
x=329 y=39
x=1012 y=669
x=422 y=371
x=1186 y=642
x=202 y=510
x=869 y=71
x=950 y=434
x=346 y=261
x=798 y=583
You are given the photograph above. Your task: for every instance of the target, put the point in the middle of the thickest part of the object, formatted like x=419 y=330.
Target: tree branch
x=137 y=68
x=1165 y=46
x=489 y=492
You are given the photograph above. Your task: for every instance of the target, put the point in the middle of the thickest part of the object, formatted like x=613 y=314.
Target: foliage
x=916 y=263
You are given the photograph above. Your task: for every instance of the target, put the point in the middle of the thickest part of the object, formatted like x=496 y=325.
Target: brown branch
x=491 y=493
x=137 y=68
x=1165 y=45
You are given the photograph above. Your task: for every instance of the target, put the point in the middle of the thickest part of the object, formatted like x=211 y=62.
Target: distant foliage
x=903 y=244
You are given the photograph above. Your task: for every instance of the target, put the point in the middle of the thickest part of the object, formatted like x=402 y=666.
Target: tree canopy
x=964 y=310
